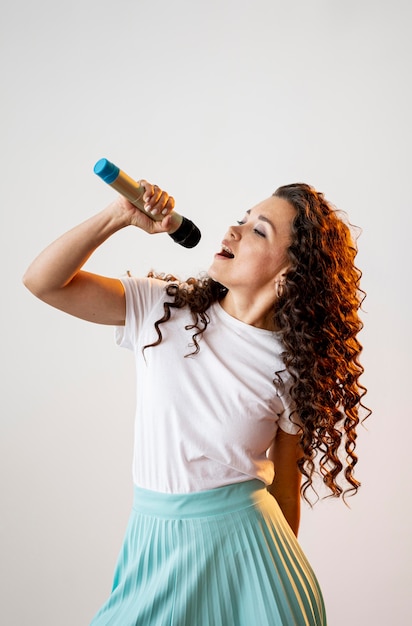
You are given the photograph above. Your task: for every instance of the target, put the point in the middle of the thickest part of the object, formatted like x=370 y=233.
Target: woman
x=247 y=381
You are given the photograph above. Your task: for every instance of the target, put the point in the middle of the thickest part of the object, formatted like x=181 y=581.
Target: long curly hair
x=317 y=316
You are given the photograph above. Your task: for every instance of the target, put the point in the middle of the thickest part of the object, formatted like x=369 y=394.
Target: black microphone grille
x=187 y=235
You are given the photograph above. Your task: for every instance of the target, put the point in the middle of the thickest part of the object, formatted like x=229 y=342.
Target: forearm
x=290 y=507
x=59 y=263
x=285 y=488
x=56 y=275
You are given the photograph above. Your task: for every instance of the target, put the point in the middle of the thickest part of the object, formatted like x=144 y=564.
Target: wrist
x=113 y=219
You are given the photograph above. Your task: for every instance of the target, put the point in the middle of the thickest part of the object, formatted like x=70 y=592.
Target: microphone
x=187 y=235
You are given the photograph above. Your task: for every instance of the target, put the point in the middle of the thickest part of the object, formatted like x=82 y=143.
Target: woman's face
x=253 y=255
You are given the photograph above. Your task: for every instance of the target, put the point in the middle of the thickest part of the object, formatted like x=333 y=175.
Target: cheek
x=272 y=264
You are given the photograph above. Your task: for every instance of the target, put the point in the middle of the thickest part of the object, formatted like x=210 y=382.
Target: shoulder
x=146 y=288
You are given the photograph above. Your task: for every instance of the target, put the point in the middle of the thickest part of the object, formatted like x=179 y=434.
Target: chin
x=211 y=272
x=214 y=275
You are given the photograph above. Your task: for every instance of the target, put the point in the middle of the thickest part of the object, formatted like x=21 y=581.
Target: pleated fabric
x=224 y=557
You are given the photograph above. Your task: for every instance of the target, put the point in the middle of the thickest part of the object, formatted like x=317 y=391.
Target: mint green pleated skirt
x=224 y=557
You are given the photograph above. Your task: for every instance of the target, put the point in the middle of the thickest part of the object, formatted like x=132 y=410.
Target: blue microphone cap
x=106 y=170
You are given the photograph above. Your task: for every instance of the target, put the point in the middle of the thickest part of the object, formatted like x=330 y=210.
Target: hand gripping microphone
x=187 y=235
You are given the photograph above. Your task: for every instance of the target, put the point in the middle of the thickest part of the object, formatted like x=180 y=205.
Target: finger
x=150 y=190
x=163 y=225
x=169 y=206
x=152 y=196
x=143 y=183
x=161 y=203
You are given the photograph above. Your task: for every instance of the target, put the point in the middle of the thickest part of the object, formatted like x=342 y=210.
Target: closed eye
x=258 y=232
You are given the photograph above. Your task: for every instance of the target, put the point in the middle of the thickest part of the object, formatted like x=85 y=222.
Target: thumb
x=171 y=222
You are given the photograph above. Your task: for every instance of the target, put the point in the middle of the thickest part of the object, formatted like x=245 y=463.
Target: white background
x=219 y=102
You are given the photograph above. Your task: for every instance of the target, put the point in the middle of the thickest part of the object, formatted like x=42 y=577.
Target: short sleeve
x=289 y=423
x=289 y=418
x=142 y=296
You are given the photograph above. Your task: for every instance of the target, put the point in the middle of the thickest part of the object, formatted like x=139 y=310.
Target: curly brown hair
x=317 y=316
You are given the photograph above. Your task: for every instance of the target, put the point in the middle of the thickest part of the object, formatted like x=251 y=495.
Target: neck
x=256 y=314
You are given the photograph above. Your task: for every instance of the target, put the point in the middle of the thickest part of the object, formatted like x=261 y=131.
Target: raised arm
x=56 y=275
x=285 y=488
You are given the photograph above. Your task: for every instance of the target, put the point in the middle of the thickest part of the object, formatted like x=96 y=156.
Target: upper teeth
x=226 y=249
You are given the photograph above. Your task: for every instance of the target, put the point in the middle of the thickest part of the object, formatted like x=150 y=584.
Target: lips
x=226 y=252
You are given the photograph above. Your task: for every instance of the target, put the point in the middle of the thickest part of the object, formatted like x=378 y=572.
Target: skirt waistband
x=200 y=503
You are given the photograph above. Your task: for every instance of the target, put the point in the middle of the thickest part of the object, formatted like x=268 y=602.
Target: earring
x=280 y=288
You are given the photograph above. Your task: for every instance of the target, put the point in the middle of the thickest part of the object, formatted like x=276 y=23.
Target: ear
x=280 y=281
x=281 y=275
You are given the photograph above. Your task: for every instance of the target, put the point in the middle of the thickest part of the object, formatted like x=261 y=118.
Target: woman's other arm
x=56 y=275
x=284 y=453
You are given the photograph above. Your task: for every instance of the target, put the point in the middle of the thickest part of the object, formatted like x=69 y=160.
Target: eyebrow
x=263 y=219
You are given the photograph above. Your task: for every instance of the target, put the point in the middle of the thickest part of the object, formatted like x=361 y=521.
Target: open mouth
x=226 y=252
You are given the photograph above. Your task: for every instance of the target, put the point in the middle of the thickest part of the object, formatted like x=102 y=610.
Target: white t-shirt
x=207 y=420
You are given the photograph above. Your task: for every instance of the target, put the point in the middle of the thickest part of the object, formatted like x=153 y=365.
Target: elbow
x=28 y=281
x=33 y=284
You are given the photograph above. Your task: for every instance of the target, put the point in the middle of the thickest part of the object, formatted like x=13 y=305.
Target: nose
x=234 y=232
